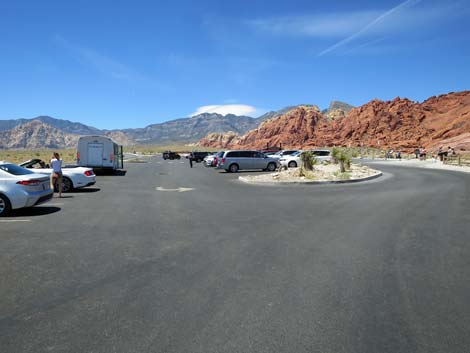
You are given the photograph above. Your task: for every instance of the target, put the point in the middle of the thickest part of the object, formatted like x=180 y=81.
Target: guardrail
x=457 y=160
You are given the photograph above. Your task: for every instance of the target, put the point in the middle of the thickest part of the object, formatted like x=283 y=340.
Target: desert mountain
x=277 y=113
x=192 y=129
x=337 y=110
x=397 y=123
x=64 y=125
x=36 y=134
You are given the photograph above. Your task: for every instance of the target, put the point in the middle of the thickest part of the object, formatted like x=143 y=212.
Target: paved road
x=382 y=266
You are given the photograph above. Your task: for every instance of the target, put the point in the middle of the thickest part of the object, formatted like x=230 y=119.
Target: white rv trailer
x=99 y=152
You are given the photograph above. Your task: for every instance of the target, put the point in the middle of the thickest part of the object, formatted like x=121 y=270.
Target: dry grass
x=18 y=156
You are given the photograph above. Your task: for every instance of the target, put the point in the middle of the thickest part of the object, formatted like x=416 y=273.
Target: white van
x=99 y=152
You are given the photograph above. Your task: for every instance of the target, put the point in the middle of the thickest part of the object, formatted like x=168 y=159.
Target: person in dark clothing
x=417 y=152
x=190 y=160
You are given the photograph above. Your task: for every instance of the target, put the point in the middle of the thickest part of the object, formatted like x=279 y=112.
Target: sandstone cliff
x=400 y=123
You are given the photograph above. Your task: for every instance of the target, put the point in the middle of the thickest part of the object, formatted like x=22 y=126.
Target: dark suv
x=171 y=155
x=199 y=156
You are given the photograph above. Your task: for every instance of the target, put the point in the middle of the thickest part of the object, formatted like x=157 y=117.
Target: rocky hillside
x=191 y=129
x=337 y=110
x=64 y=125
x=21 y=134
x=36 y=134
x=397 y=123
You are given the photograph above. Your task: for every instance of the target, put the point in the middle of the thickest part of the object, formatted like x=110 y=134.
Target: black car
x=171 y=155
x=199 y=156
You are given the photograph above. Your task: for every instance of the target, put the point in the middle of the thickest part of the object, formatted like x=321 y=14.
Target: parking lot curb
x=309 y=182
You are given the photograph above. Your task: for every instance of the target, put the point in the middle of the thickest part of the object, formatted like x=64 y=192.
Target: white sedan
x=20 y=187
x=209 y=160
x=72 y=178
x=294 y=160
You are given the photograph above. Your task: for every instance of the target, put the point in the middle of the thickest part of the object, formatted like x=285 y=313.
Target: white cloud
x=237 y=109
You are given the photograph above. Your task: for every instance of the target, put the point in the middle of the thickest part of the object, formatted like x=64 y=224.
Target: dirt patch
x=320 y=173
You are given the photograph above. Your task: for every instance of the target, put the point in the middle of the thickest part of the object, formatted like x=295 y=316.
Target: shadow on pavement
x=100 y=172
x=33 y=211
x=86 y=190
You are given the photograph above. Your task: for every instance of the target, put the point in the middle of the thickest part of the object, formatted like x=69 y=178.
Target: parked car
x=233 y=161
x=294 y=160
x=212 y=160
x=279 y=154
x=73 y=178
x=21 y=187
x=171 y=155
x=199 y=156
x=209 y=160
x=217 y=158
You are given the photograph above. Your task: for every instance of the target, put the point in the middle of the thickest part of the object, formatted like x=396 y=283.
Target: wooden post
x=458 y=157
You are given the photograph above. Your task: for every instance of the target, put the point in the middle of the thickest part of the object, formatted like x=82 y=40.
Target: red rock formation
x=220 y=140
x=399 y=123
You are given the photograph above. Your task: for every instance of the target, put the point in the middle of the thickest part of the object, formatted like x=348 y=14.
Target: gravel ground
x=329 y=172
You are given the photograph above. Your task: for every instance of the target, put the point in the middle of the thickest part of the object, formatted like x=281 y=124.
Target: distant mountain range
x=48 y=132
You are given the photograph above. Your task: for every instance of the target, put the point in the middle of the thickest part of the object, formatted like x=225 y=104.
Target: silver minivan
x=233 y=161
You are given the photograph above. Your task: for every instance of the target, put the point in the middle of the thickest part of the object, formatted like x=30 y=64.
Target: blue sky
x=117 y=64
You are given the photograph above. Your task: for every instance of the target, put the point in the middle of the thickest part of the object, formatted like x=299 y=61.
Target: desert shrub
x=343 y=175
x=308 y=160
x=344 y=160
x=335 y=152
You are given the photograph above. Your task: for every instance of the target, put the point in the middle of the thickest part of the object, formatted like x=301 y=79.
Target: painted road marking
x=159 y=188
x=14 y=220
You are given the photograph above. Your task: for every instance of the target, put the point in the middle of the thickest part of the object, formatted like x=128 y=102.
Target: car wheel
x=271 y=167
x=67 y=185
x=5 y=206
x=292 y=164
x=233 y=168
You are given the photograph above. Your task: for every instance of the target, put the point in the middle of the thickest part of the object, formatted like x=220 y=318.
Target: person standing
x=56 y=175
x=191 y=159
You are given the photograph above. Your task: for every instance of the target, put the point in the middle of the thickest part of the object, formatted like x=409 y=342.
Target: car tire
x=292 y=164
x=5 y=206
x=233 y=168
x=271 y=167
x=67 y=185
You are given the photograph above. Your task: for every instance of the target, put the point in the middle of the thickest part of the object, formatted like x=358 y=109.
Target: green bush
x=335 y=152
x=344 y=160
x=308 y=160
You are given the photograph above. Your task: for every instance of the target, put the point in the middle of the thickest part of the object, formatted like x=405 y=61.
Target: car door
x=258 y=160
x=244 y=160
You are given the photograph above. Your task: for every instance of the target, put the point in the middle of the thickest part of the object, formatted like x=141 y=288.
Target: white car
x=72 y=178
x=282 y=153
x=20 y=187
x=209 y=160
x=294 y=161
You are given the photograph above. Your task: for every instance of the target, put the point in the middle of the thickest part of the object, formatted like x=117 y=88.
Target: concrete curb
x=309 y=182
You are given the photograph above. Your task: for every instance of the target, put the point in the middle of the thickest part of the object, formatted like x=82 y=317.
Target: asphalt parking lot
x=171 y=259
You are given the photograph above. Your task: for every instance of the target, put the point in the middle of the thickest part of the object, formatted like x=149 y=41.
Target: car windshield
x=15 y=170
